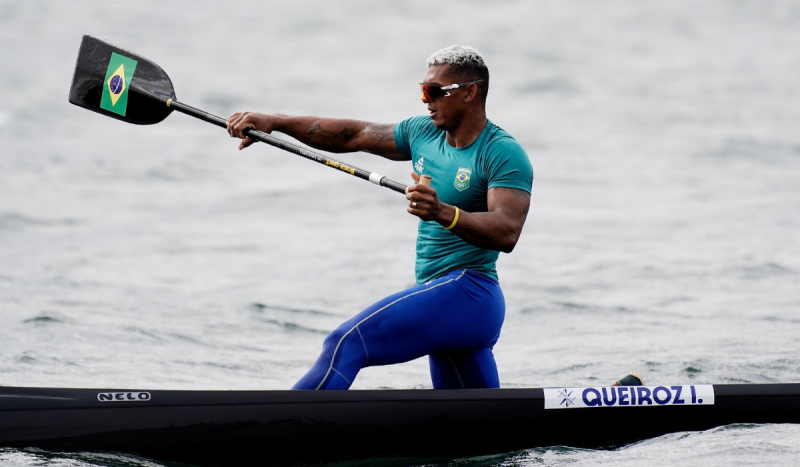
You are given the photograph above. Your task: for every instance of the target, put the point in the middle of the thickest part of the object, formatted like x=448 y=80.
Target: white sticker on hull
x=628 y=396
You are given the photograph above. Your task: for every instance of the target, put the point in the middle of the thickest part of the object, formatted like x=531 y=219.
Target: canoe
x=296 y=427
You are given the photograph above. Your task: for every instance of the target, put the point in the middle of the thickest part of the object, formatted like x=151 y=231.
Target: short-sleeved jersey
x=461 y=177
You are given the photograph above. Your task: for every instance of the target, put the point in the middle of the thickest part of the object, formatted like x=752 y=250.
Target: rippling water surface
x=663 y=236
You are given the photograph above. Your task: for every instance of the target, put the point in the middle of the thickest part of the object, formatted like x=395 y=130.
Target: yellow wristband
x=454 y=221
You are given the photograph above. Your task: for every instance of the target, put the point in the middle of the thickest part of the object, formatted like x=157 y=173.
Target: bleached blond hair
x=457 y=55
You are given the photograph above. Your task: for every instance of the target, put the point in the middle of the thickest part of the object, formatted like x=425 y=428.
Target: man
x=474 y=209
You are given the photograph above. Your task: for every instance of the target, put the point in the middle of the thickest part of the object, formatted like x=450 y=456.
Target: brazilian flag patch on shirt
x=462 y=178
x=117 y=83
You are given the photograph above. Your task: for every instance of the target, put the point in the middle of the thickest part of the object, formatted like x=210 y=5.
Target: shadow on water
x=289 y=326
x=266 y=314
x=551 y=455
x=43 y=320
x=14 y=221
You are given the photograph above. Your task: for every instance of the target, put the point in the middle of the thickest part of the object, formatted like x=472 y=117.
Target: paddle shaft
x=373 y=177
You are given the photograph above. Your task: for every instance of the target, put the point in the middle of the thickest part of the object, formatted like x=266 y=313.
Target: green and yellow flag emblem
x=462 y=178
x=118 y=81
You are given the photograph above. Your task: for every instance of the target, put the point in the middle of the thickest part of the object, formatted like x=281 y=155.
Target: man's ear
x=472 y=92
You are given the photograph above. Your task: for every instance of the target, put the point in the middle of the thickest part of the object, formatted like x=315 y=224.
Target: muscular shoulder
x=500 y=141
x=414 y=130
x=506 y=162
x=501 y=147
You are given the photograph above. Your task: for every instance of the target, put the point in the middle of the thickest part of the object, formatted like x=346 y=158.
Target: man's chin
x=440 y=124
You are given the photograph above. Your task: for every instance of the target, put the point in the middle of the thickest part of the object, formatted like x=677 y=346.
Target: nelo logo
x=123 y=396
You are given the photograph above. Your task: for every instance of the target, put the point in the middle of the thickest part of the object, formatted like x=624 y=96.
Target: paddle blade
x=120 y=84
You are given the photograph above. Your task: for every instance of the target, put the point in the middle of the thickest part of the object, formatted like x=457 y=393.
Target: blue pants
x=455 y=319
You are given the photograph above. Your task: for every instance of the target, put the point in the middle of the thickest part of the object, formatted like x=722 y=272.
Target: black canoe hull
x=293 y=427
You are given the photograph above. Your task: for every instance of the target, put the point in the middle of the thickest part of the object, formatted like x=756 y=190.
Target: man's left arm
x=498 y=229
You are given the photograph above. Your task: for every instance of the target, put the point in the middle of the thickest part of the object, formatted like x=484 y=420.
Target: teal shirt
x=461 y=177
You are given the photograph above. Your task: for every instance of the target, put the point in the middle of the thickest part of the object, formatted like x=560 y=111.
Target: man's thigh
x=431 y=318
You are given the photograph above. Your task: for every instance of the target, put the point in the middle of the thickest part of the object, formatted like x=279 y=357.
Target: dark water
x=662 y=237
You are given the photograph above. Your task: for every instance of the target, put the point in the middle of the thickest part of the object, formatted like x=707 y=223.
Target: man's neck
x=468 y=131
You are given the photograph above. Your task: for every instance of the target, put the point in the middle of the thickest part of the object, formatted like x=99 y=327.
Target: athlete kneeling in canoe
x=474 y=209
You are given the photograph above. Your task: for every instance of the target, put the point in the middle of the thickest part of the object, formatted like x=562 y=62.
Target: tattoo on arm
x=327 y=140
x=380 y=132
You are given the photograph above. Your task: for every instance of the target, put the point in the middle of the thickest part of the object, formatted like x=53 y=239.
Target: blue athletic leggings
x=455 y=319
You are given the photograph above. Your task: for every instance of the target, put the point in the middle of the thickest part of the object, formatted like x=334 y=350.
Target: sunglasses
x=433 y=91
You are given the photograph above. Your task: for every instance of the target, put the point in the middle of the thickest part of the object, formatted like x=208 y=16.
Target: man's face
x=446 y=112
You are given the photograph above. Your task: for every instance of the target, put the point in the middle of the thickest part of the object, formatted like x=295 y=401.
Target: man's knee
x=334 y=338
x=344 y=342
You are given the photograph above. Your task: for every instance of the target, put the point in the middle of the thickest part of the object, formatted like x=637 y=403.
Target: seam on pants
x=456 y=370
x=343 y=377
x=338 y=344
x=362 y=341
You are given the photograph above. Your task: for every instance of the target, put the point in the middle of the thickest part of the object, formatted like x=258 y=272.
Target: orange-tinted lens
x=425 y=92
x=431 y=92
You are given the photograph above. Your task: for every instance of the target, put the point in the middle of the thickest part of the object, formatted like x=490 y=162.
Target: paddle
x=122 y=85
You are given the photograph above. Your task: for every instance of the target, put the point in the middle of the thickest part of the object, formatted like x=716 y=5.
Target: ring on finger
x=414 y=205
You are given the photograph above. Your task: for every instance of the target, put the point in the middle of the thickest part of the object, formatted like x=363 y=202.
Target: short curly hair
x=463 y=61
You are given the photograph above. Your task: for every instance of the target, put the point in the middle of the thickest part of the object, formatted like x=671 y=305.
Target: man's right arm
x=327 y=134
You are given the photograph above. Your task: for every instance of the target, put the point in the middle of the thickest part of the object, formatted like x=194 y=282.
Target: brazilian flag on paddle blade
x=120 y=84
x=118 y=81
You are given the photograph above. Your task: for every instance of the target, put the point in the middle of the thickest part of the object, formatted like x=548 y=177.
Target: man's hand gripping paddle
x=122 y=85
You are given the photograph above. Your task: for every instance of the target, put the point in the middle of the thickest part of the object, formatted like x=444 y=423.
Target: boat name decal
x=123 y=396
x=628 y=396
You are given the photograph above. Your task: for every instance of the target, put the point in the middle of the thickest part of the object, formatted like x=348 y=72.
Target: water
x=662 y=236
